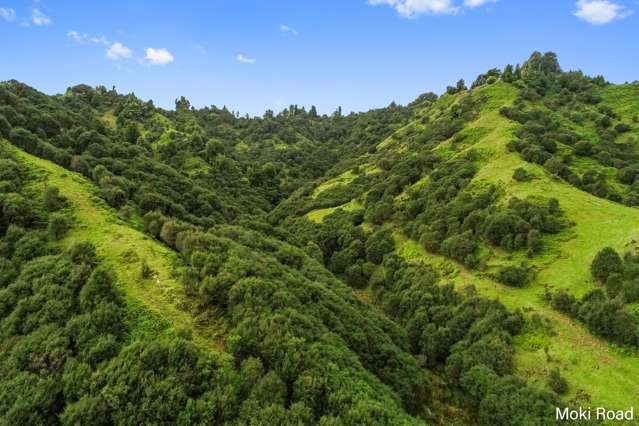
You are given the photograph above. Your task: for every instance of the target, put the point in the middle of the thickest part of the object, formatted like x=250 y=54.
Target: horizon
x=270 y=56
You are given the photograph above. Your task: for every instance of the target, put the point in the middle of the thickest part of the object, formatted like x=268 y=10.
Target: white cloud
x=599 y=12
x=39 y=18
x=99 y=40
x=118 y=51
x=245 y=59
x=158 y=56
x=76 y=36
x=287 y=29
x=412 y=8
x=86 y=38
x=8 y=14
x=477 y=3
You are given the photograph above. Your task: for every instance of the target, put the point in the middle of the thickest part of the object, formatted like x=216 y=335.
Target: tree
x=508 y=74
x=83 y=253
x=58 y=225
x=5 y=127
x=379 y=244
x=520 y=174
x=583 y=149
x=606 y=262
x=534 y=241
x=556 y=382
x=514 y=276
x=52 y=199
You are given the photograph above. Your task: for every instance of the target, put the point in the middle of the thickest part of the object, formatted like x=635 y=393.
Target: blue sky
x=251 y=55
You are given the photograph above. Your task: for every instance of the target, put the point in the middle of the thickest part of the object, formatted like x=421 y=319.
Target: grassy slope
x=319 y=214
x=591 y=365
x=123 y=249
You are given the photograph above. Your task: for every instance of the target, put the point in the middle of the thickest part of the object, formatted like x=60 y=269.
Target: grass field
x=158 y=301
x=319 y=214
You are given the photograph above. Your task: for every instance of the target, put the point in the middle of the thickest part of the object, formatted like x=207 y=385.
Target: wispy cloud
x=287 y=29
x=412 y=8
x=158 y=56
x=118 y=51
x=39 y=18
x=599 y=12
x=477 y=3
x=99 y=40
x=245 y=59
x=7 y=14
x=86 y=38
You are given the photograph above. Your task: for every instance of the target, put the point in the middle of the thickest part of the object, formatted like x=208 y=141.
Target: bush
x=557 y=383
x=83 y=253
x=5 y=127
x=583 y=149
x=379 y=244
x=145 y=270
x=605 y=263
x=52 y=199
x=514 y=276
x=58 y=226
x=520 y=174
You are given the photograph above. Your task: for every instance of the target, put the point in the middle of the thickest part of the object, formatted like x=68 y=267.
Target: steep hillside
x=311 y=327
x=123 y=249
x=472 y=129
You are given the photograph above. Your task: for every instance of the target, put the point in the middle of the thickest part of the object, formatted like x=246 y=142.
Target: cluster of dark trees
x=67 y=356
x=449 y=216
x=546 y=134
x=204 y=166
x=266 y=286
x=607 y=317
x=468 y=337
x=304 y=325
x=619 y=276
x=297 y=335
x=604 y=310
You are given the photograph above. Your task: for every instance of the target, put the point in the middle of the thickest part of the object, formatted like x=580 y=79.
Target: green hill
x=598 y=371
x=469 y=258
x=123 y=249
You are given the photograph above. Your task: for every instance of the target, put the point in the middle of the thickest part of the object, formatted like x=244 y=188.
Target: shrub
x=583 y=149
x=557 y=383
x=520 y=174
x=52 y=199
x=145 y=270
x=379 y=244
x=606 y=262
x=514 y=276
x=83 y=253
x=58 y=226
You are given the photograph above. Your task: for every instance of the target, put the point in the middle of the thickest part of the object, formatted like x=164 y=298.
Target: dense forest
x=396 y=266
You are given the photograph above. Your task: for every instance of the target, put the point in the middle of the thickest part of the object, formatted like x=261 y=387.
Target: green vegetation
x=472 y=253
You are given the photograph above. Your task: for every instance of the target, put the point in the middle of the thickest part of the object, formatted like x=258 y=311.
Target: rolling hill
x=469 y=258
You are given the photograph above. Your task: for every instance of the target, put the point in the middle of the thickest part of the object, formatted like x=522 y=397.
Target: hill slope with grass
x=123 y=249
x=475 y=129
